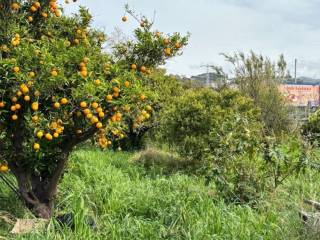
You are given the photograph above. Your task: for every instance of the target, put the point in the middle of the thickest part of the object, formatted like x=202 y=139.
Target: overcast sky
x=269 y=27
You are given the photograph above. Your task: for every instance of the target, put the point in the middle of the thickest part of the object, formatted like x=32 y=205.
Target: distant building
x=213 y=80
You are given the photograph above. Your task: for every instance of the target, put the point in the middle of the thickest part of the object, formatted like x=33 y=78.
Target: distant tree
x=163 y=88
x=259 y=78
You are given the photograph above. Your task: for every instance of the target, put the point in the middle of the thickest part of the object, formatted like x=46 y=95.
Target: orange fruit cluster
x=83 y=70
x=15 y=41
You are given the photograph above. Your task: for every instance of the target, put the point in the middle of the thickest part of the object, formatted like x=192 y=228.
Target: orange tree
x=58 y=88
x=165 y=89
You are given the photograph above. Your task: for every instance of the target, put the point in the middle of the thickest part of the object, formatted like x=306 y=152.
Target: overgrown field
x=129 y=202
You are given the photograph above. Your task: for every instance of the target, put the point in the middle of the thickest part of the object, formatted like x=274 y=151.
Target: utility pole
x=207 y=66
x=208 y=76
x=295 y=70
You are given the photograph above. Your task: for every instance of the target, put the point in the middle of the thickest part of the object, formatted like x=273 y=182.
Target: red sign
x=301 y=95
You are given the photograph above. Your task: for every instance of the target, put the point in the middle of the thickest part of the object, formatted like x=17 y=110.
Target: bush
x=163 y=88
x=259 y=78
x=222 y=134
x=311 y=129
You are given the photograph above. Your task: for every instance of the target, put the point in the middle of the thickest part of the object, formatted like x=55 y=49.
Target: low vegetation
x=128 y=201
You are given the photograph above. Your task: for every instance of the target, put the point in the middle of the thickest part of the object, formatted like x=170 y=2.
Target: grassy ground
x=129 y=203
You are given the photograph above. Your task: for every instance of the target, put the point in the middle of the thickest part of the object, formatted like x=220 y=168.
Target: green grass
x=127 y=202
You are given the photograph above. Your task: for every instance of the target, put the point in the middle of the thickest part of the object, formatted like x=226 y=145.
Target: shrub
x=222 y=134
x=311 y=129
x=259 y=78
x=58 y=88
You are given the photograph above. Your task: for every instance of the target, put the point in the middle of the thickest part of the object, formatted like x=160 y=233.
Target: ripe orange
x=149 y=108
x=142 y=97
x=99 y=125
x=86 y=111
x=37 y=93
x=97 y=82
x=99 y=110
x=15 y=6
x=44 y=14
x=89 y=116
x=35 y=106
x=24 y=88
x=37 y=4
x=101 y=114
x=30 y=19
x=56 y=135
x=58 y=13
x=4 y=168
x=113 y=118
x=83 y=104
x=14 y=99
x=40 y=134
x=147 y=116
x=126 y=83
x=18 y=106
x=54 y=73
x=56 y=105
x=109 y=97
x=116 y=89
x=36 y=146
x=32 y=74
x=33 y=9
x=143 y=69
x=16 y=69
x=167 y=51
x=94 y=120
x=83 y=67
x=84 y=73
x=13 y=108
x=30 y=83
x=95 y=105
x=49 y=137
x=35 y=119
x=133 y=66
x=64 y=101
x=14 y=117
x=2 y=104
x=27 y=98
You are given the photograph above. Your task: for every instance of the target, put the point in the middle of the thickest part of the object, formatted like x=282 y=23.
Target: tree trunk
x=39 y=190
x=34 y=191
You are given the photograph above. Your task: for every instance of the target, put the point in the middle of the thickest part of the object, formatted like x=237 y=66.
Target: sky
x=268 y=27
